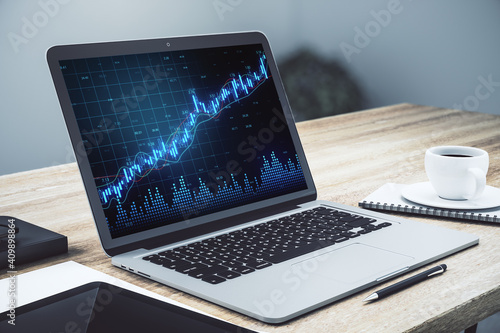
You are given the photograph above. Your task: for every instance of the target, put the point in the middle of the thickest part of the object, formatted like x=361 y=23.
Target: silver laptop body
x=183 y=140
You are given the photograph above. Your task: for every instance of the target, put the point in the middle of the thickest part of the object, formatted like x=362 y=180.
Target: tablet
x=103 y=307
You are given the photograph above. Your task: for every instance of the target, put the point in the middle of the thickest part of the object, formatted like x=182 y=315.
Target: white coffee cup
x=457 y=172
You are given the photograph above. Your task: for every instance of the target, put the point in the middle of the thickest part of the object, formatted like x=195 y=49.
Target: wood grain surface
x=350 y=156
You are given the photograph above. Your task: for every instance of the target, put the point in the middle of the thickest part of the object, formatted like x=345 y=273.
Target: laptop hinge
x=217 y=225
x=209 y=227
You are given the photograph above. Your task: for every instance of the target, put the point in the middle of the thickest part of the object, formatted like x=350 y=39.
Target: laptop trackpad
x=353 y=263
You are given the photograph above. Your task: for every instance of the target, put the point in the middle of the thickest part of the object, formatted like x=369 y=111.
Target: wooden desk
x=350 y=156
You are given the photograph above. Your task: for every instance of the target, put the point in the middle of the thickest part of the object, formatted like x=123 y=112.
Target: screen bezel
x=198 y=225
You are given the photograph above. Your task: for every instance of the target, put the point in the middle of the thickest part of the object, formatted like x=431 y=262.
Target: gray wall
x=440 y=53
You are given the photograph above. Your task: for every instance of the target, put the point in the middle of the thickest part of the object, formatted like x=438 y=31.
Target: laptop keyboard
x=244 y=251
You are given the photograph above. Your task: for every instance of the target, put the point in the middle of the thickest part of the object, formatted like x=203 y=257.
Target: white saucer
x=424 y=194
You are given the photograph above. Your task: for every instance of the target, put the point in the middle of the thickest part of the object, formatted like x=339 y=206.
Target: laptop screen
x=174 y=135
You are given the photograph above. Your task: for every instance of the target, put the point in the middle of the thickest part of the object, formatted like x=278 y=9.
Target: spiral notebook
x=388 y=198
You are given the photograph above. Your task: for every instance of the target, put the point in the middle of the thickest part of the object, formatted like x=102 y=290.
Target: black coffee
x=455 y=155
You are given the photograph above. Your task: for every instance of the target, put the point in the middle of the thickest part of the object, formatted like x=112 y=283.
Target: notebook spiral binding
x=430 y=211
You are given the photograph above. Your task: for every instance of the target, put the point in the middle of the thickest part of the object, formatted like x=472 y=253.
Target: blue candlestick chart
x=236 y=88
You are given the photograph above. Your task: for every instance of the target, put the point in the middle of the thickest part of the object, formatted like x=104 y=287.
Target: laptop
x=197 y=179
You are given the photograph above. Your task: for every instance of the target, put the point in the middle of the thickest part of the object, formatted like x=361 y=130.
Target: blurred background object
x=335 y=56
x=318 y=87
